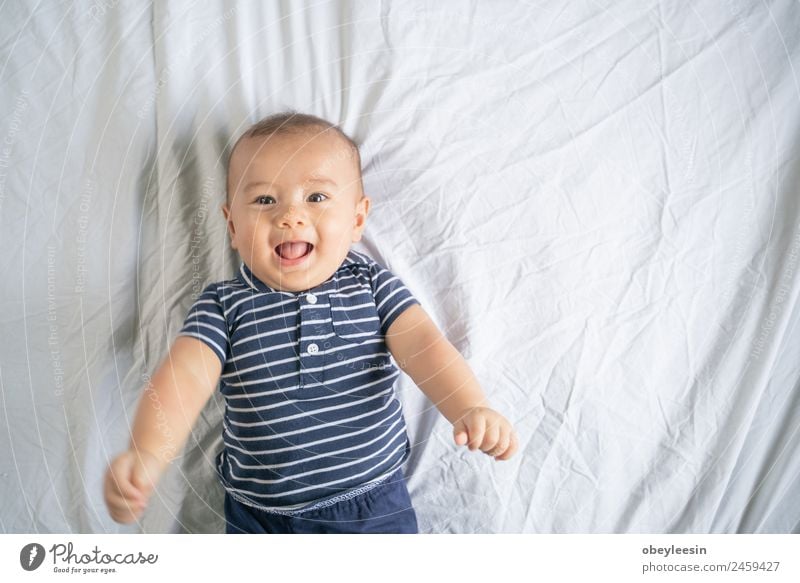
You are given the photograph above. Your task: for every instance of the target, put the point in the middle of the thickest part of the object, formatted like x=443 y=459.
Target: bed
x=597 y=202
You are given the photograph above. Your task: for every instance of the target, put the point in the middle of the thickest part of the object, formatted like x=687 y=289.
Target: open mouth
x=292 y=251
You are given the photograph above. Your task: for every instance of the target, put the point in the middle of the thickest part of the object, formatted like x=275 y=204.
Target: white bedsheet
x=597 y=202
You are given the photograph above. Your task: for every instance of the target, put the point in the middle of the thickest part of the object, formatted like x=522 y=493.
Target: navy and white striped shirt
x=311 y=415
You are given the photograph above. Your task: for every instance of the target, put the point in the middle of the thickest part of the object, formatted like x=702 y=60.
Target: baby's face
x=295 y=206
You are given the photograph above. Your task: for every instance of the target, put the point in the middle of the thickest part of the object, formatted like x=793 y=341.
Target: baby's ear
x=231 y=229
x=362 y=211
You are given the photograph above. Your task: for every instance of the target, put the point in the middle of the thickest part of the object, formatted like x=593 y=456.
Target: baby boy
x=300 y=343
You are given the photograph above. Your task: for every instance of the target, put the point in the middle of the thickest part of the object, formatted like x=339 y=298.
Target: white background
x=597 y=202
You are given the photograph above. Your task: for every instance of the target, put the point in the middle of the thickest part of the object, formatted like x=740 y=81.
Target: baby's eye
x=317 y=194
x=264 y=200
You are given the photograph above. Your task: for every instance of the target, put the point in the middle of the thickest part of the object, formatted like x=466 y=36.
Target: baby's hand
x=129 y=482
x=485 y=429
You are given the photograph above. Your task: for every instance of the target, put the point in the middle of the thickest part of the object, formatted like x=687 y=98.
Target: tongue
x=292 y=250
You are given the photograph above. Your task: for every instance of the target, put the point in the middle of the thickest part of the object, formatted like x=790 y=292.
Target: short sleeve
x=206 y=322
x=392 y=297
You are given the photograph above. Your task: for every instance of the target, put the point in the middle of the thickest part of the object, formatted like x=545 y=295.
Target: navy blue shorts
x=386 y=509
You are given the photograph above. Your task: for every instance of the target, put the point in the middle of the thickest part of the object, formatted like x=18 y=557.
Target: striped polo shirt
x=311 y=416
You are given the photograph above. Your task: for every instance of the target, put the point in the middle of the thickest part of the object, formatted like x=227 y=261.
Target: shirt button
x=313 y=348
x=312 y=299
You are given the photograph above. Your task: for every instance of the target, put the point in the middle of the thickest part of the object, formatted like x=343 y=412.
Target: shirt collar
x=247 y=277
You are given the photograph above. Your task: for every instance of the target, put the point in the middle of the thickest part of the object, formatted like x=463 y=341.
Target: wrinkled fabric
x=596 y=202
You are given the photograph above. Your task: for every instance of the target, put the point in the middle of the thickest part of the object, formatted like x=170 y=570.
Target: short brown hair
x=290 y=122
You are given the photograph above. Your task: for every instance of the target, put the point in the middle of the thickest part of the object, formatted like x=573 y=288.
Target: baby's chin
x=311 y=273
x=296 y=281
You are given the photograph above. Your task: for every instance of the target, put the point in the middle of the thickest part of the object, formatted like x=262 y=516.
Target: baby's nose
x=291 y=216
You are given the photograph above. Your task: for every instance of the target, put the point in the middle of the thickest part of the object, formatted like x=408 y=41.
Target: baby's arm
x=166 y=414
x=440 y=371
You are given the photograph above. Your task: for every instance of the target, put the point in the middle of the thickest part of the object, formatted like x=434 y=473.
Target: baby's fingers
x=460 y=434
x=119 y=479
x=476 y=427
x=124 y=500
x=118 y=501
x=500 y=445
x=123 y=510
x=492 y=441
x=513 y=445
